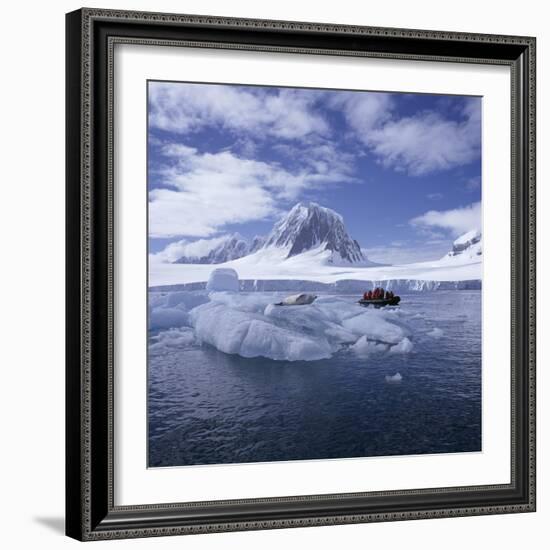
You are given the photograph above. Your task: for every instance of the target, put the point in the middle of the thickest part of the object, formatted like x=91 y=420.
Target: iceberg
x=252 y=335
x=373 y=324
x=167 y=317
x=223 y=279
x=169 y=310
x=365 y=347
x=247 y=326
x=252 y=325
x=405 y=346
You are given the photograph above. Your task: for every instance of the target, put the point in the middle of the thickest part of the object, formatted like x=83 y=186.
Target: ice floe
x=170 y=339
x=254 y=335
x=251 y=325
x=405 y=346
x=365 y=347
x=435 y=333
x=168 y=310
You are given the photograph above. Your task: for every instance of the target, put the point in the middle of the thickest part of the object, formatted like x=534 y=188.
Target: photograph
x=315 y=261
x=300 y=276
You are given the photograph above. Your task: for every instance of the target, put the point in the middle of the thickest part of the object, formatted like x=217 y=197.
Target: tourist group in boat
x=378 y=294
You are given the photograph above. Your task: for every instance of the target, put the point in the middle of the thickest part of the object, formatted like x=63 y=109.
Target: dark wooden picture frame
x=90 y=510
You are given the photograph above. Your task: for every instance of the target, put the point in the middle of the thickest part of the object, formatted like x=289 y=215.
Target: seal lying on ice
x=298 y=300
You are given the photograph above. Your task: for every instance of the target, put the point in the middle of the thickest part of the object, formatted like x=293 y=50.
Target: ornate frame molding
x=91 y=38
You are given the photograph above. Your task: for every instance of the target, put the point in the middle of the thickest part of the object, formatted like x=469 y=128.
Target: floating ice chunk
x=187 y=299
x=405 y=346
x=253 y=335
x=339 y=335
x=167 y=310
x=254 y=302
x=312 y=321
x=172 y=339
x=373 y=325
x=395 y=378
x=337 y=309
x=167 y=317
x=364 y=347
x=223 y=279
x=435 y=333
x=265 y=340
x=309 y=317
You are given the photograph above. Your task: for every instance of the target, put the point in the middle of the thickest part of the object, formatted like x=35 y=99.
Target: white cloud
x=279 y=112
x=364 y=111
x=174 y=251
x=420 y=144
x=199 y=193
x=456 y=221
x=426 y=143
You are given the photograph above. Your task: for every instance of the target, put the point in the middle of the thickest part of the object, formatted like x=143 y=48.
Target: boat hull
x=381 y=303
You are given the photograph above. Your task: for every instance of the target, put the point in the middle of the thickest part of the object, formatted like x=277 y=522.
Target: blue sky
x=404 y=170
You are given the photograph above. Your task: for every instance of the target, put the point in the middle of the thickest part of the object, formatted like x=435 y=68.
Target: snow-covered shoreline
x=306 y=267
x=344 y=286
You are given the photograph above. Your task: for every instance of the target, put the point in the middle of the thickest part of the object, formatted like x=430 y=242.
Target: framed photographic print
x=300 y=274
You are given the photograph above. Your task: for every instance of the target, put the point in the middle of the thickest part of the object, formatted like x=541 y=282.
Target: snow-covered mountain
x=230 y=248
x=306 y=227
x=466 y=249
x=309 y=226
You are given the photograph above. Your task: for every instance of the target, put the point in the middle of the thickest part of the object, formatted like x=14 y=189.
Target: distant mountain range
x=308 y=227
x=230 y=248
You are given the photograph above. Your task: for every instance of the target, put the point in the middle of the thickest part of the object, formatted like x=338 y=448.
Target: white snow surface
x=313 y=265
x=466 y=248
x=472 y=235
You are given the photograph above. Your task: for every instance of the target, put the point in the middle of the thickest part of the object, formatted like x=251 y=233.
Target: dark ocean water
x=207 y=407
